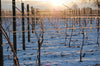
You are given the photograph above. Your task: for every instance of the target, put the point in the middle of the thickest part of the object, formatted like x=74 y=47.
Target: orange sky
x=48 y=4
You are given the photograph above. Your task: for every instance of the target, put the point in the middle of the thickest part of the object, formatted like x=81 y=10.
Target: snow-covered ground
x=53 y=50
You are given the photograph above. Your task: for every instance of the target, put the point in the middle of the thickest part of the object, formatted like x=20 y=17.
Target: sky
x=49 y=4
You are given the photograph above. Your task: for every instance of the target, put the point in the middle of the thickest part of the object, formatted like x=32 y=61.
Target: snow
x=53 y=49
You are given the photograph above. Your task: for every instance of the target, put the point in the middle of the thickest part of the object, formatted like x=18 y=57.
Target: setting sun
x=56 y=2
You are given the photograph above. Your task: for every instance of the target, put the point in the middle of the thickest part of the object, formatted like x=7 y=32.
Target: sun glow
x=56 y=2
x=23 y=0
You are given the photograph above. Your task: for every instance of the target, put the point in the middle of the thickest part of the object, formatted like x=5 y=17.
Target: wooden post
x=72 y=29
x=79 y=18
x=98 y=24
x=37 y=14
x=84 y=20
x=66 y=22
x=28 y=23
x=1 y=46
x=91 y=17
x=33 y=20
x=23 y=28
x=14 y=25
x=14 y=29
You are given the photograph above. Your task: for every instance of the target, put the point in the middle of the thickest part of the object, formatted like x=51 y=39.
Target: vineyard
x=31 y=36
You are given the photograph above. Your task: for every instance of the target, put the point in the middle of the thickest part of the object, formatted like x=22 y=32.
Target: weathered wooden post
x=75 y=17
x=14 y=25
x=98 y=24
x=37 y=15
x=33 y=19
x=23 y=28
x=72 y=28
x=79 y=18
x=80 y=14
x=14 y=29
x=91 y=18
x=1 y=46
x=28 y=23
x=66 y=22
x=84 y=19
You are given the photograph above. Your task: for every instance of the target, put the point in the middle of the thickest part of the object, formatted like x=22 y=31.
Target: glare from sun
x=23 y=0
x=56 y=2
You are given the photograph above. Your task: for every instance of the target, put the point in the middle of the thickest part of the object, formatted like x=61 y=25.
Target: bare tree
x=82 y=45
x=81 y=51
x=40 y=39
x=15 y=59
x=97 y=2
